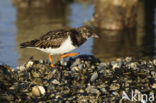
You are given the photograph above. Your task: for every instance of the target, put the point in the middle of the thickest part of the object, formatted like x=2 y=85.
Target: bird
x=61 y=41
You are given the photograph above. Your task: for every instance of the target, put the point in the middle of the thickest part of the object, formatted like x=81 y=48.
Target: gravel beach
x=83 y=79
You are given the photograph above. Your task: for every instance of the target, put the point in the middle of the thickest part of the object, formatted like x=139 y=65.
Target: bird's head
x=88 y=31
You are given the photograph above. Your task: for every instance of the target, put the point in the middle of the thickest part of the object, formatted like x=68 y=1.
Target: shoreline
x=80 y=79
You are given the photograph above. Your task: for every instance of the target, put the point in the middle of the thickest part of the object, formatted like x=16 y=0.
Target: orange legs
x=62 y=56
x=68 y=55
x=50 y=59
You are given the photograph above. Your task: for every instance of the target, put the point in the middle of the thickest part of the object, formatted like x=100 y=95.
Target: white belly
x=64 y=48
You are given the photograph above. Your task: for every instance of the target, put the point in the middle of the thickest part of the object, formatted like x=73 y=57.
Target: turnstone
x=61 y=41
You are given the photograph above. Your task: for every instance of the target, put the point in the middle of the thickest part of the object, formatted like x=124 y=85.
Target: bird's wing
x=52 y=39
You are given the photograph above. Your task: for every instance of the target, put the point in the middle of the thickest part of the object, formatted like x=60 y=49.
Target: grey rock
x=55 y=82
x=94 y=77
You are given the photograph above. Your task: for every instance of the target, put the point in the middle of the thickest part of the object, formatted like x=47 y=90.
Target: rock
x=103 y=90
x=38 y=91
x=41 y=61
x=29 y=64
x=128 y=59
x=80 y=66
x=55 y=82
x=75 y=69
x=154 y=61
x=101 y=66
x=114 y=86
x=133 y=65
x=81 y=91
x=63 y=62
x=76 y=62
x=116 y=65
x=21 y=68
x=94 y=77
x=93 y=90
x=154 y=85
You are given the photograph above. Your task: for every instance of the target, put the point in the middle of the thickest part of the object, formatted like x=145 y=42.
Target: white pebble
x=29 y=64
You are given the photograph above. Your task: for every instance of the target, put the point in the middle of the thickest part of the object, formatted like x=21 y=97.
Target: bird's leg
x=69 y=54
x=50 y=59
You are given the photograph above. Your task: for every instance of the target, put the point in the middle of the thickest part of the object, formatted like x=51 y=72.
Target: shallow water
x=8 y=52
x=22 y=24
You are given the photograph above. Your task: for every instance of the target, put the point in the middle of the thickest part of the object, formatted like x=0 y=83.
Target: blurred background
x=126 y=27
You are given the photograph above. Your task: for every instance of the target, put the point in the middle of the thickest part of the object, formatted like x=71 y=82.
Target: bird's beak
x=96 y=36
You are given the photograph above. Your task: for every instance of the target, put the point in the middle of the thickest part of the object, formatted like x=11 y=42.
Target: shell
x=38 y=91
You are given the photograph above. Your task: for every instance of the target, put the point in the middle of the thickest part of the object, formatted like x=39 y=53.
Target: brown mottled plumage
x=54 y=39
x=51 y=39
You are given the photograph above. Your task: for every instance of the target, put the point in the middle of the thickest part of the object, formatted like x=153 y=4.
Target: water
x=19 y=24
x=77 y=19
x=8 y=53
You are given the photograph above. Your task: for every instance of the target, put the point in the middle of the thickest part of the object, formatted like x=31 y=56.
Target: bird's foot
x=69 y=55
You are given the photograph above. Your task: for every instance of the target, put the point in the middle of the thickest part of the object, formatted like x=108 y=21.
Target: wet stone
x=55 y=82
x=114 y=86
x=29 y=64
x=128 y=59
x=38 y=91
x=94 y=77
x=154 y=61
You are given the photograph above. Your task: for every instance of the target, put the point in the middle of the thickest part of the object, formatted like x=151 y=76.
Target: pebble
x=21 y=68
x=41 y=61
x=101 y=66
x=116 y=65
x=80 y=66
x=63 y=62
x=95 y=91
x=114 y=86
x=128 y=59
x=55 y=82
x=38 y=91
x=75 y=69
x=76 y=62
x=103 y=90
x=81 y=91
x=154 y=61
x=29 y=64
x=133 y=65
x=154 y=85
x=94 y=77
x=92 y=89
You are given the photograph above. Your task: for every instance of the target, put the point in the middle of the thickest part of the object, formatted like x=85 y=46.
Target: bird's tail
x=29 y=44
